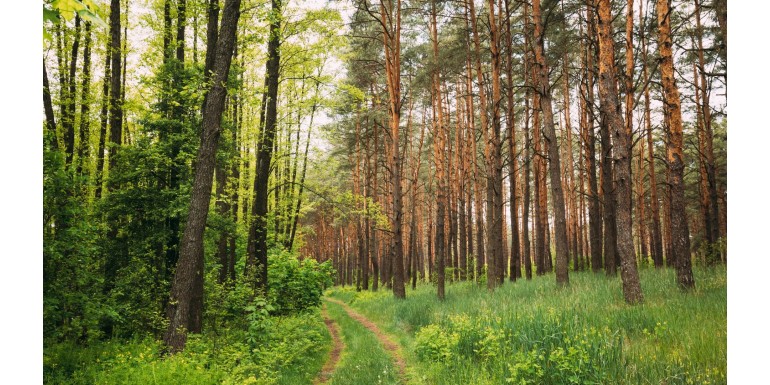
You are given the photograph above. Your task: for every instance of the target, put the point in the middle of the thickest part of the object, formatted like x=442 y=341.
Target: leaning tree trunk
x=185 y=307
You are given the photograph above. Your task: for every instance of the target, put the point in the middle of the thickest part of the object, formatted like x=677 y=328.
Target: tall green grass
x=533 y=332
x=364 y=361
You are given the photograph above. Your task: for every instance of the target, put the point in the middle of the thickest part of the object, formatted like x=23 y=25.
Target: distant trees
x=483 y=73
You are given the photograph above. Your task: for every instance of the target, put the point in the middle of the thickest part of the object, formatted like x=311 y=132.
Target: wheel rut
x=334 y=354
x=392 y=347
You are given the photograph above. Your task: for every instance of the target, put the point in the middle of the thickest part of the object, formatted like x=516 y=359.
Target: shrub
x=434 y=344
x=296 y=285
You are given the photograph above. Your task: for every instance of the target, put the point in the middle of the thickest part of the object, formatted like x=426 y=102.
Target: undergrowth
x=531 y=332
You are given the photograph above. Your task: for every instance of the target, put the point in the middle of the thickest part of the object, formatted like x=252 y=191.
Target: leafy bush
x=296 y=285
x=434 y=344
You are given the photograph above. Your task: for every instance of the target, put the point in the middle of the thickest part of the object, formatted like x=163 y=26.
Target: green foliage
x=73 y=302
x=291 y=352
x=432 y=343
x=296 y=285
x=88 y=10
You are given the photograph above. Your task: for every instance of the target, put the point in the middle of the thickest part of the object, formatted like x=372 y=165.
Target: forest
x=384 y=192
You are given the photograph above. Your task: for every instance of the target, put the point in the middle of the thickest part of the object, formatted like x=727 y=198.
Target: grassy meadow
x=531 y=332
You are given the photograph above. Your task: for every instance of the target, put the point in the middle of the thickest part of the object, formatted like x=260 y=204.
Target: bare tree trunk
x=116 y=109
x=84 y=150
x=680 y=234
x=392 y=44
x=610 y=108
x=68 y=104
x=712 y=225
x=554 y=162
x=257 y=260
x=656 y=241
x=587 y=114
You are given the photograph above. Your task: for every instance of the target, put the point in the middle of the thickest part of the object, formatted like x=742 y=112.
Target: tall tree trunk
x=554 y=162
x=656 y=240
x=84 y=150
x=185 y=306
x=708 y=137
x=526 y=194
x=495 y=248
x=257 y=243
x=68 y=105
x=490 y=257
x=610 y=108
x=392 y=45
x=116 y=108
x=515 y=257
x=589 y=136
x=439 y=154
x=103 y=119
x=680 y=233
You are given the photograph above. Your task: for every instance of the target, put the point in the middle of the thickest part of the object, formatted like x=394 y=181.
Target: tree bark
x=84 y=150
x=257 y=243
x=610 y=108
x=116 y=107
x=554 y=162
x=185 y=306
x=589 y=136
x=680 y=233
x=656 y=240
x=68 y=105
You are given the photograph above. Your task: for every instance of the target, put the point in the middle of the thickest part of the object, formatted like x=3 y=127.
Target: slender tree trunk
x=116 y=108
x=103 y=119
x=712 y=224
x=257 y=260
x=439 y=153
x=392 y=45
x=526 y=200
x=554 y=162
x=680 y=234
x=610 y=108
x=515 y=257
x=50 y=119
x=587 y=90
x=84 y=150
x=656 y=242
x=185 y=306
x=68 y=105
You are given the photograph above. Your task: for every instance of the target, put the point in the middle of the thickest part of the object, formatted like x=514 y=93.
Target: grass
x=533 y=332
x=363 y=361
x=291 y=353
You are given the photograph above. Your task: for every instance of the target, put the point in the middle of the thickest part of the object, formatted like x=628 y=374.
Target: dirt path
x=393 y=348
x=334 y=354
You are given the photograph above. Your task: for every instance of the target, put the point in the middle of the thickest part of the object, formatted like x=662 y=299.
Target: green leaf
x=92 y=17
x=50 y=15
